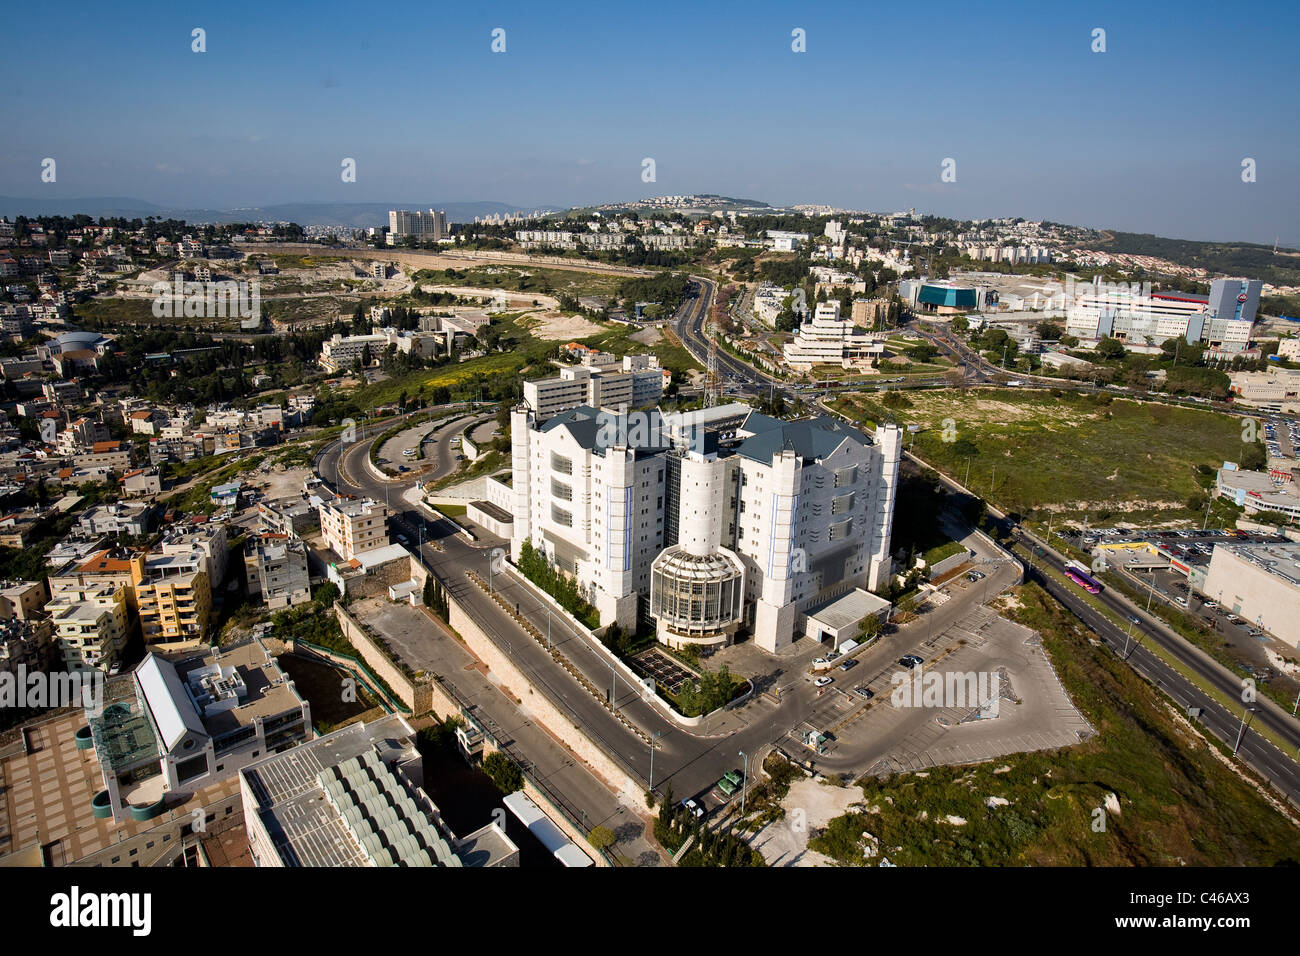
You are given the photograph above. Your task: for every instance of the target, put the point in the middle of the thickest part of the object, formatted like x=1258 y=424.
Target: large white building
x=708 y=521
x=1223 y=320
x=421 y=225
x=828 y=339
x=601 y=382
x=1261 y=583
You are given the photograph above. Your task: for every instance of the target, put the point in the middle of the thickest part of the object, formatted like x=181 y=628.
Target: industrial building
x=709 y=521
x=1223 y=321
x=1260 y=583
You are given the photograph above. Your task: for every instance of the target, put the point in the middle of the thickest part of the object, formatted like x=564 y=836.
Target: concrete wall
x=539 y=706
x=415 y=694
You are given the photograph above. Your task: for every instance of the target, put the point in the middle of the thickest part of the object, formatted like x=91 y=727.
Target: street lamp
x=657 y=734
x=1246 y=716
x=744 y=783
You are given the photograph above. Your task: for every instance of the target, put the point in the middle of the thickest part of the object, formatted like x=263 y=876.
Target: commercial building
x=431 y=225
x=351 y=526
x=707 y=522
x=602 y=381
x=355 y=797
x=1258 y=491
x=827 y=339
x=182 y=722
x=1223 y=321
x=1274 y=389
x=276 y=567
x=1260 y=583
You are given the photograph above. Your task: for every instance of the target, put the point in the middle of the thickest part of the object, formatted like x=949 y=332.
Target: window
x=846 y=476
x=561 y=517
x=842 y=504
x=561 y=464
x=561 y=490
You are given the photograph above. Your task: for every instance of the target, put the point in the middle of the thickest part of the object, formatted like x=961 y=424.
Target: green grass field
x=1179 y=804
x=1074 y=454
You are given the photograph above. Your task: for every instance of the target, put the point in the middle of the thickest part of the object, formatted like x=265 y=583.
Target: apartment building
x=635 y=382
x=173 y=596
x=90 y=623
x=207 y=544
x=21 y=600
x=351 y=526
x=276 y=569
x=708 y=521
x=25 y=646
x=422 y=225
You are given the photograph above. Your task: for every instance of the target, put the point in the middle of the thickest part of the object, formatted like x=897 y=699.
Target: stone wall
x=540 y=707
x=415 y=694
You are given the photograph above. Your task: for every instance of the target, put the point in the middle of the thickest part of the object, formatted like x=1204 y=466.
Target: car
x=866 y=693
x=823 y=681
x=916 y=658
x=848 y=665
x=1233 y=619
x=693 y=808
x=1135 y=620
x=907 y=662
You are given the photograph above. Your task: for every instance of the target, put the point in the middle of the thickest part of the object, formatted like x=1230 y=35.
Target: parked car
x=693 y=808
x=848 y=665
x=866 y=693
x=823 y=681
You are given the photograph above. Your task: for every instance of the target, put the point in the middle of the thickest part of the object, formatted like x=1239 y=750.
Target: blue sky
x=1148 y=136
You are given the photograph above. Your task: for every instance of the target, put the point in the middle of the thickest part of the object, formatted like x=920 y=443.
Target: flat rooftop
x=308 y=831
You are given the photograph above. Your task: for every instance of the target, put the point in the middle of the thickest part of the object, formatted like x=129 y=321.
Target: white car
x=823 y=681
x=693 y=808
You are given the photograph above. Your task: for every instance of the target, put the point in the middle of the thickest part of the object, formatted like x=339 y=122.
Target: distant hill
x=1248 y=259
x=356 y=214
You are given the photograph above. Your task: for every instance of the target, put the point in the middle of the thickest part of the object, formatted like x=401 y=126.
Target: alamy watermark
x=42 y=690
x=207 y=300
x=952 y=689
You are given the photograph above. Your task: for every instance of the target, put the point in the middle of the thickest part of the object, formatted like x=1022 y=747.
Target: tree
x=503 y=771
x=602 y=838
x=1110 y=349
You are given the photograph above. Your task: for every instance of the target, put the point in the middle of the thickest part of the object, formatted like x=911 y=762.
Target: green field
x=1179 y=804
x=1076 y=455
